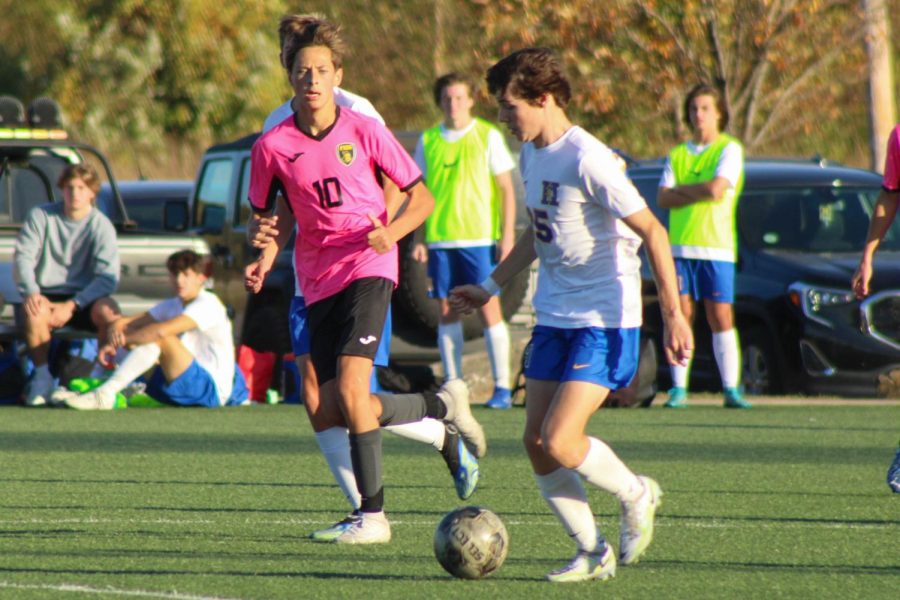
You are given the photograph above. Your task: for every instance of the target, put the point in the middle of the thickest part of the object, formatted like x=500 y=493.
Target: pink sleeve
x=263 y=182
x=892 y=162
x=394 y=160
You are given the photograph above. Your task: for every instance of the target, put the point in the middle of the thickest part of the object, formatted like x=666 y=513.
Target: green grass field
x=776 y=502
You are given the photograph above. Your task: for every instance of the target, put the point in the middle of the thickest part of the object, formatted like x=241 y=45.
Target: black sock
x=450 y=450
x=365 y=454
x=397 y=409
x=434 y=406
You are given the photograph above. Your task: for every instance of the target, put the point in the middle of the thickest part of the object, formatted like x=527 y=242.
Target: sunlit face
x=704 y=114
x=314 y=77
x=456 y=104
x=523 y=119
x=78 y=197
x=187 y=284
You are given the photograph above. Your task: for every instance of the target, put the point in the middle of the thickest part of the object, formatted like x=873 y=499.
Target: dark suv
x=801 y=228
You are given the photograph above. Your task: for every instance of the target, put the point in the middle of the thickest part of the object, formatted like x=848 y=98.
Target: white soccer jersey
x=342 y=98
x=211 y=342
x=589 y=272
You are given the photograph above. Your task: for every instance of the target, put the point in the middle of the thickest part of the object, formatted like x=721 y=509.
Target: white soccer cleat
x=586 y=566
x=455 y=396
x=93 y=400
x=332 y=532
x=636 y=525
x=370 y=528
x=60 y=395
x=38 y=391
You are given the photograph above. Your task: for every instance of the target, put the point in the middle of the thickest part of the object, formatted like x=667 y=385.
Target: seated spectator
x=66 y=267
x=188 y=336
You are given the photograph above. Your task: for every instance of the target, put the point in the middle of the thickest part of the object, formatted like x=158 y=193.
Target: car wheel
x=760 y=371
x=415 y=314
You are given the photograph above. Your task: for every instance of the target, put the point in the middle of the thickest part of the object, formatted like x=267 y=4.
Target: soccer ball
x=471 y=542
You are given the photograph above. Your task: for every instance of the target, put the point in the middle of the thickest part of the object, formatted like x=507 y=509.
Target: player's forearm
x=420 y=205
x=508 y=204
x=684 y=195
x=882 y=217
x=659 y=254
x=522 y=255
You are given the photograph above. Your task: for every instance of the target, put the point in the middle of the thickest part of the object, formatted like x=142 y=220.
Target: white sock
x=602 y=468
x=680 y=375
x=42 y=373
x=335 y=446
x=496 y=339
x=139 y=360
x=450 y=344
x=564 y=493
x=426 y=431
x=728 y=356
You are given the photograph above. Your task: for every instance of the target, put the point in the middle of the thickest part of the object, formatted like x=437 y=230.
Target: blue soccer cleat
x=893 y=474
x=734 y=398
x=502 y=399
x=677 y=398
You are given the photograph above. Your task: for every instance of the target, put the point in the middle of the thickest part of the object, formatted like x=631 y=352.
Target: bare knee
x=561 y=448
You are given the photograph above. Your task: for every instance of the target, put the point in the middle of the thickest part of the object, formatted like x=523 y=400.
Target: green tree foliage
x=793 y=71
x=153 y=82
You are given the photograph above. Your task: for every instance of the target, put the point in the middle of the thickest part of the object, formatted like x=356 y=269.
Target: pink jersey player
x=331 y=186
x=892 y=162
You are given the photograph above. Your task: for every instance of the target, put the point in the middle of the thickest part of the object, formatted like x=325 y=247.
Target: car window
x=242 y=210
x=212 y=198
x=814 y=219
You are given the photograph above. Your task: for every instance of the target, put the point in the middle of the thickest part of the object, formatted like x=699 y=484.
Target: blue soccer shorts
x=298 y=320
x=706 y=279
x=450 y=267
x=603 y=356
x=194 y=387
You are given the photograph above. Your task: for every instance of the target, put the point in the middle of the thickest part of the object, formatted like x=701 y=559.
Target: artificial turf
x=775 y=502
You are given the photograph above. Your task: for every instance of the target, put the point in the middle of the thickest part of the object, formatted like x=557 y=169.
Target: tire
x=760 y=369
x=415 y=314
x=266 y=327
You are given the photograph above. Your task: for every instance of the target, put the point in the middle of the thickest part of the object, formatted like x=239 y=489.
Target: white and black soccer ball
x=471 y=542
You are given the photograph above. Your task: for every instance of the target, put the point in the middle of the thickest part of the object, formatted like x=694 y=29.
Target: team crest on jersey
x=549 y=195
x=347 y=153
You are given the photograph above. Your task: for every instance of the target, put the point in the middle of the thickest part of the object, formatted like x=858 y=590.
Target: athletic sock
x=335 y=446
x=680 y=375
x=365 y=452
x=426 y=431
x=42 y=373
x=450 y=449
x=434 y=406
x=564 y=493
x=496 y=339
x=397 y=409
x=450 y=344
x=138 y=361
x=602 y=468
x=728 y=357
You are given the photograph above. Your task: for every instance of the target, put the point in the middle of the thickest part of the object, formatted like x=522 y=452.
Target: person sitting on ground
x=66 y=267
x=189 y=336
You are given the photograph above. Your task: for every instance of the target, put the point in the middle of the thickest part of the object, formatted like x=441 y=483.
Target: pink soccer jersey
x=892 y=162
x=330 y=184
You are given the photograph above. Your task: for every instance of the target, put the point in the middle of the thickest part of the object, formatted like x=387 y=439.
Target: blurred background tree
x=153 y=82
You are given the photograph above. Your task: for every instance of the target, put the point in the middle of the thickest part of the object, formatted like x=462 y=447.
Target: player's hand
x=379 y=238
x=116 y=334
x=106 y=356
x=262 y=231
x=466 y=298
x=860 y=281
x=255 y=275
x=420 y=253
x=61 y=313
x=678 y=340
x=35 y=304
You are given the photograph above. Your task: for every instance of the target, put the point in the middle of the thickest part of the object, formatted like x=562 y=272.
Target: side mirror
x=175 y=215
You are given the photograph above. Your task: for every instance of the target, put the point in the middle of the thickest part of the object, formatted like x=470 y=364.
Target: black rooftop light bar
x=42 y=120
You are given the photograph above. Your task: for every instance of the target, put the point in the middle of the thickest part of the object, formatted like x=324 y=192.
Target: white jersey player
x=587 y=223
